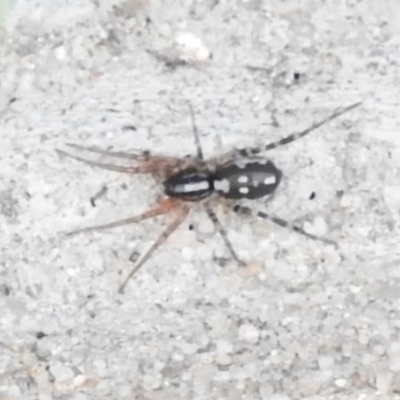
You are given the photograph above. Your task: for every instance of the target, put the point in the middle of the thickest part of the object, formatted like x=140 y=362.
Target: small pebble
x=355 y=289
x=191 y=47
x=308 y=386
x=45 y=396
x=60 y=53
x=391 y=195
x=349 y=201
x=325 y=362
x=340 y=383
x=240 y=385
x=79 y=380
x=79 y=396
x=84 y=381
x=318 y=227
x=249 y=333
x=266 y=391
x=206 y=358
x=395 y=362
x=379 y=350
x=395 y=347
x=152 y=381
x=14 y=391
x=218 y=323
x=223 y=359
x=279 y=396
x=206 y=226
x=187 y=253
x=252 y=269
x=223 y=346
x=363 y=339
x=61 y=372
x=384 y=382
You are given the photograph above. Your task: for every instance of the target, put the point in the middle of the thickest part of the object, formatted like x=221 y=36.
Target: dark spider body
x=190 y=184
x=246 y=178
x=242 y=175
x=243 y=178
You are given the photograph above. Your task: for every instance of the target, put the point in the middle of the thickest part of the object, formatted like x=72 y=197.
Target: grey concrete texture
x=302 y=319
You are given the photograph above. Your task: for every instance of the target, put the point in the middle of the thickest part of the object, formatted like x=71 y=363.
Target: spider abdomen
x=248 y=178
x=189 y=185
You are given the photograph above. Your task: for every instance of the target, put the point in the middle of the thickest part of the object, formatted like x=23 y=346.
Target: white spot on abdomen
x=270 y=180
x=222 y=186
x=244 y=190
x=243 y=179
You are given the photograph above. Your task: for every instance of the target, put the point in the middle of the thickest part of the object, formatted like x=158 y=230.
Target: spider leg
x=182 y=214
x=200 y=156
x=144 y=168
x=222 y=232
x=252 y=151
x=163 y=207
x=282 y=223
x=142 y=156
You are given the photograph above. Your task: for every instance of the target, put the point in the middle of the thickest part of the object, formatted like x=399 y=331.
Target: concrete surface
x=303 y=320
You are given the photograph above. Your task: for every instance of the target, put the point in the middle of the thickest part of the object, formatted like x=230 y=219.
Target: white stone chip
x=391 y=195
x=318 y=227
x=325 y=362
x=191 y=47
x=45 y=396
x=152 y=381
x=384 y=382
x=223 y=359
x=206 y=226
x=340 y=383
x=279 y=396
x=249 y=333
x=187 y=253
x=60 y=53
x=394 y=365
x=61 y=372
x=14 y=391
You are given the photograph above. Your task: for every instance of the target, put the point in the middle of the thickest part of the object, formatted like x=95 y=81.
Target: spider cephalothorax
x=242 y=175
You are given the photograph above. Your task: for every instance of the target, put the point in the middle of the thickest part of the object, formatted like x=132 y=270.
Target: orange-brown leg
x=163 y=207
x=147 y=167
x=142 y=156
x=182 y=212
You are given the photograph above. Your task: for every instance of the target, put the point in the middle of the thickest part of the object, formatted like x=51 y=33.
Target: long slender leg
x=282 y=223
x=182 y=213
x=162 y=208
x=142 y=156
x=252 y=151
x=145 y=168
x=196 y=134
x=223 y=234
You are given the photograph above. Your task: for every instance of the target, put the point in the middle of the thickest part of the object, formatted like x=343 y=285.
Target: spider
x=239 y=174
